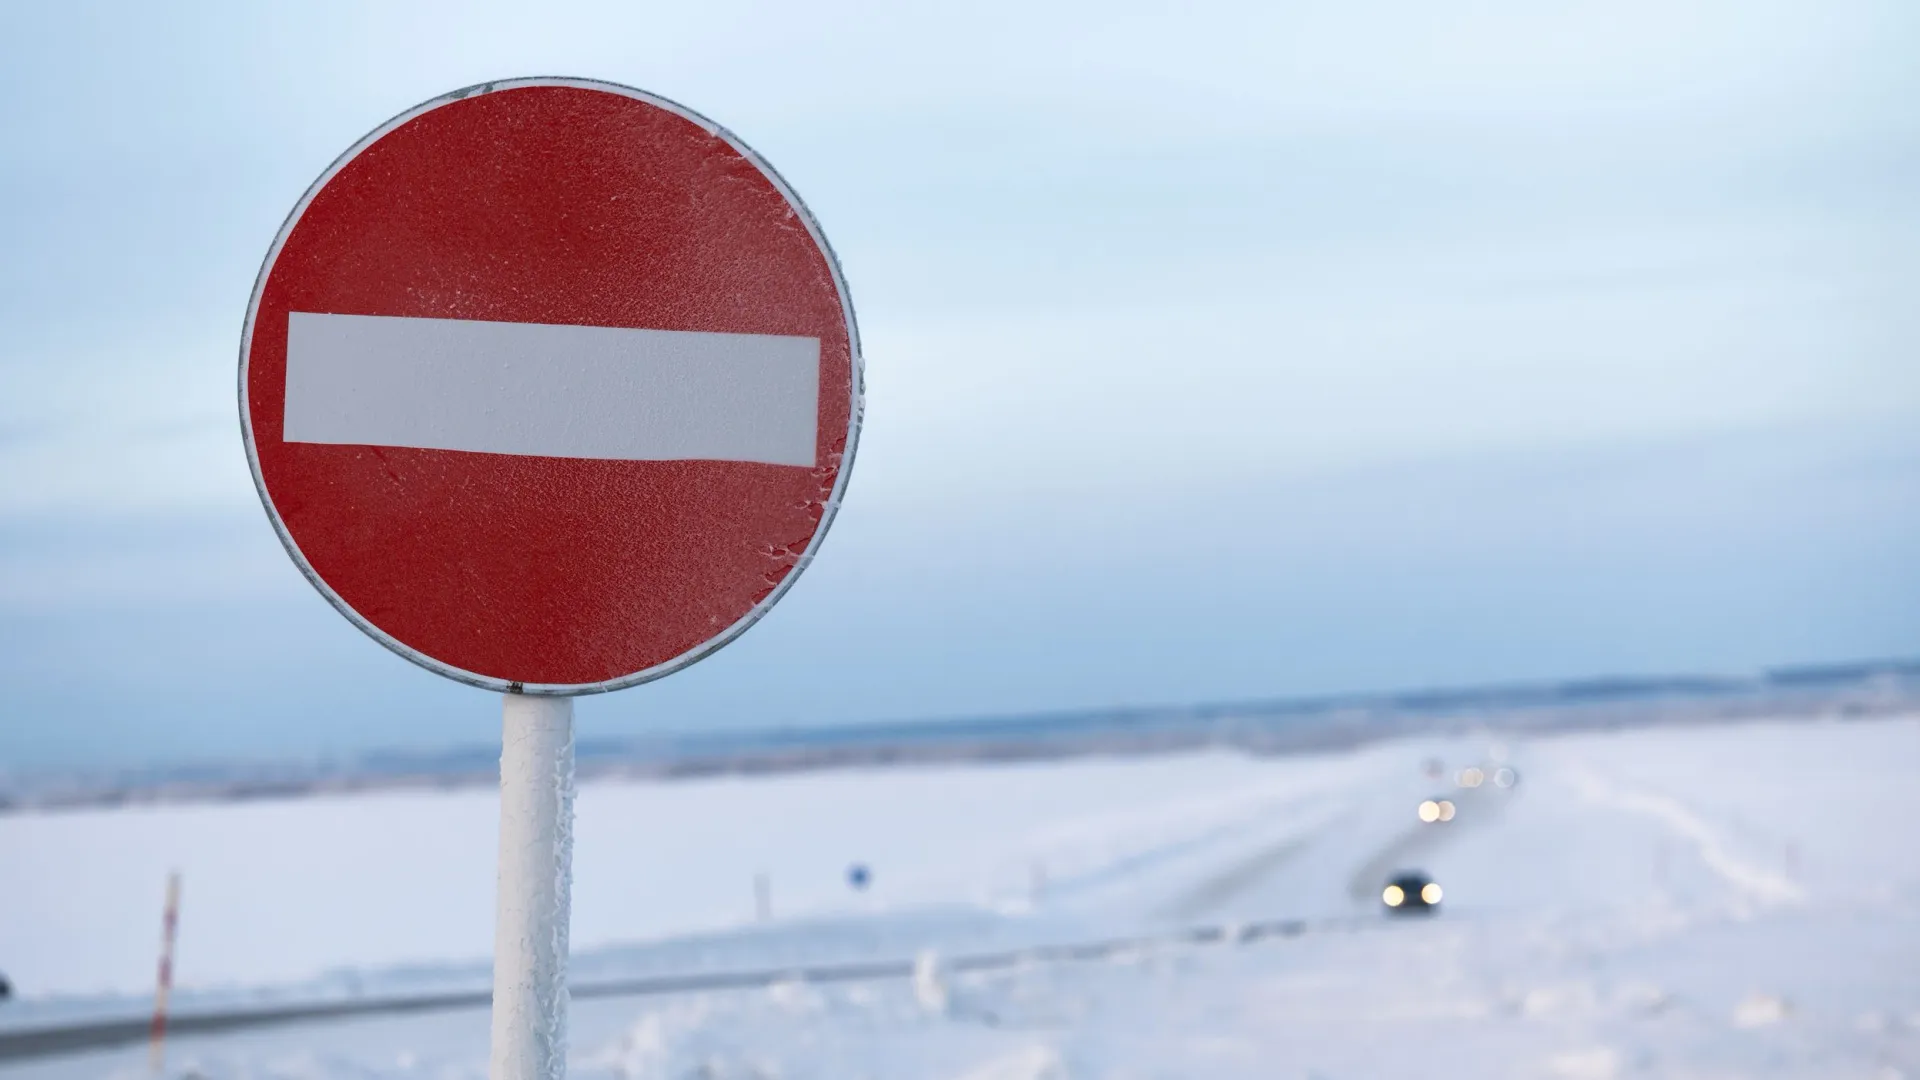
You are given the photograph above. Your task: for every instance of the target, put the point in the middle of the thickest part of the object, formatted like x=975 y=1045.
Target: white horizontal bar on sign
x=551 y=391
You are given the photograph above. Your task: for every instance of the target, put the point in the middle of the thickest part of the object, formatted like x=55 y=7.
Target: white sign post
x=534 y=902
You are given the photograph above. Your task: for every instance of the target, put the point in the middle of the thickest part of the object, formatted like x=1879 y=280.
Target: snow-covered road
x=1709 y=901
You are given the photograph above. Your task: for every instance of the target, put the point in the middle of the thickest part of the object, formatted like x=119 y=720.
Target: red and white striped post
x=169 y=925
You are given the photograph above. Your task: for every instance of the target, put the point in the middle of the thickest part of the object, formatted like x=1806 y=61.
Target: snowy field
x=1694 y=902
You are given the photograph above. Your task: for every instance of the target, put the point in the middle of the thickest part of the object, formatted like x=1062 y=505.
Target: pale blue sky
x=1213 y=351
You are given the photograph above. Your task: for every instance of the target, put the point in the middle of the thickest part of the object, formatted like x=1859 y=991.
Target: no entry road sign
x=550 y=385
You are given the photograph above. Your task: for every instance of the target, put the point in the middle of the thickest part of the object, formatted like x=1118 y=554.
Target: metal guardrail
x=108 y=1034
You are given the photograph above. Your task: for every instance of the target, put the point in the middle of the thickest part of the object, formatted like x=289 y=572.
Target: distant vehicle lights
x=1433 y=810
x=1410 y=892
x=1471 y=777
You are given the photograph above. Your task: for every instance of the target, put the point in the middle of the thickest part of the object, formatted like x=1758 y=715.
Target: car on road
x=1411 y=892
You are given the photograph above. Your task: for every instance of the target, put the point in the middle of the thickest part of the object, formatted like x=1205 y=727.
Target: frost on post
x=536 y=879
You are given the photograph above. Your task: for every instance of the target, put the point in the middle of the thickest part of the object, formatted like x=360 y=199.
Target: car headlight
x=1429 y=811
x=1446 y=809
x=1393 y=895
x=1430 y=893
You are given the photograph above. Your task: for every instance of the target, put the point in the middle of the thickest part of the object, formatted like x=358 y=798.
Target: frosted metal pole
x=534 y=901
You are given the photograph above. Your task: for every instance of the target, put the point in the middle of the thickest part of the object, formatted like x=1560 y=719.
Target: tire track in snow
x=1684 y=822
x=1236 y=879
x=1248 y=868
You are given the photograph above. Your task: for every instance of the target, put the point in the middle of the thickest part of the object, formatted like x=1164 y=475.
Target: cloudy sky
x=1213 y=351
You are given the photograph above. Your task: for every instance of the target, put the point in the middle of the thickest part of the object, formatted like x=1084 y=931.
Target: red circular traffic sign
x=550 y=385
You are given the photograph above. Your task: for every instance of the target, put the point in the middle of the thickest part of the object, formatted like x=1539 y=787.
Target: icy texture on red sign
x=567 y=205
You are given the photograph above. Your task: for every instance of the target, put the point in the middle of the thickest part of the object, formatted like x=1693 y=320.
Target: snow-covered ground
x=1709 y=901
